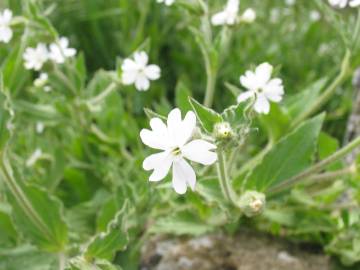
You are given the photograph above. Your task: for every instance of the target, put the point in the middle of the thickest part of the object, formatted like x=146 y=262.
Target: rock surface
x=246 y=251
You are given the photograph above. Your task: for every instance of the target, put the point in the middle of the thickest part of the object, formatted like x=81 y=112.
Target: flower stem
x=210 y=87
x=224 y=181
x=328 y=93
x=317 y=167
x=103 y=94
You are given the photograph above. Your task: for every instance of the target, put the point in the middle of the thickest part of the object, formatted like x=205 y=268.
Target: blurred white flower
x=290 y=2
x=315 y=15
x=228 y=15
x=138 y=71
x=174 y=139
x=344 y=3
x=248 y=16
x=166 y=2
x=36 y=57
x=60 y=51
x=5 y=30
x=34 y=158
x=261 y=87
x=39 y=127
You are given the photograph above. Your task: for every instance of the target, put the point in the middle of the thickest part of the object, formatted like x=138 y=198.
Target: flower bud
x=252 y=203
x=223 y=131
x=248 y=16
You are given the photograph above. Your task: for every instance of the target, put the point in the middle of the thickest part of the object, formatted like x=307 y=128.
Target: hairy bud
x=223 y=131
x=252 y=203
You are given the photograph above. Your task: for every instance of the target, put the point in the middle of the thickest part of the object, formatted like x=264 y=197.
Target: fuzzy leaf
x=206 y=116
x=288 y=157
x=106 y=244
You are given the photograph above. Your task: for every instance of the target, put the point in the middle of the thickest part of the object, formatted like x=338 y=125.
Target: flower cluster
x=261 y=88
x=344 y=3
x=137 y=71
x=58 y=52
x=166 y=2
x=5 y=30
x=175 y=141
x=229 y=15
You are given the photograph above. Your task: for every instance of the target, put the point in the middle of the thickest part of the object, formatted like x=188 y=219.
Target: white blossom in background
x=174 y=139
x=36 y=57
x=315 y=15
x=60 y=51
x=5 y=31
x=166 y=2
x=137 y=71
x=344 y=3
x=34 y=158
x=39 y=127
x=248 y=16
x=290 y=2
x=228 y=16
x=261 y=88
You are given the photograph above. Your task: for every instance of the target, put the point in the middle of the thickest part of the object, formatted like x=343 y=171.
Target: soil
x=246 y=251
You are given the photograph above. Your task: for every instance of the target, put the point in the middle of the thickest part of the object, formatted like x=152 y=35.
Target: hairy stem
x=224 y=180
x=317 y=167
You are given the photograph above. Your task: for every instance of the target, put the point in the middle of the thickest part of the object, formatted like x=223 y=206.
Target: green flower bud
x=252 y=203
x=223 y=131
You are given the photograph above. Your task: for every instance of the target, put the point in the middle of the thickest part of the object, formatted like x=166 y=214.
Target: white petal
x=141 y=58
x=183 y=176
x=64 y=42
x=158 y=125
x=245 y=96
x=274 y=90
x=160 y=163
x=152 y=72
x=354 y=3
x=187 y=128
x=70 y=52
x=129 y=77
x=219 y=18
x=5 y=34
x=174 y=122
x=7 y=16
x=262 y=105
x=263 y=73
x=129 y=65
x=199 y=151
x=155 y=139
x=233 y=5
x=249 y=80
x=142 y=83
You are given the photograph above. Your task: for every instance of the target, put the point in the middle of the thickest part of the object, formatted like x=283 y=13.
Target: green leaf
x=80 y=263
x=106 y=244
x=305 y=98
x=290 y=156
x=4 y=116
x=182 y=223
x=36 y=214
x=206 y=116
x=182 y=96
x=328 y=145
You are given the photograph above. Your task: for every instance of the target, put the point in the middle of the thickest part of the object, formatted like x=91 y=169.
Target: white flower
x=290 y=2
x=138 y=71
x=34 y=158
x=174 y=139
x=261 y=87
x=36 y=57
x=5 y=30
x=60 y=51
x=315 y=15
x=344 y=3
x=39 y=127
x=41 y=80
x=248 y=16
x=166 y=2
x=228 y=15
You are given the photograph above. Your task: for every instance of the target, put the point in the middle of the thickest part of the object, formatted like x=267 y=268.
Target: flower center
x=176 y=151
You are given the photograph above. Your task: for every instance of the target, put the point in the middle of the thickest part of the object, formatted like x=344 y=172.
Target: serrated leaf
x=290 y=156
x=106 y=244
x=206 y=116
